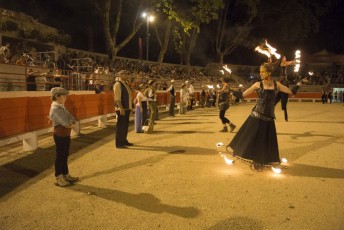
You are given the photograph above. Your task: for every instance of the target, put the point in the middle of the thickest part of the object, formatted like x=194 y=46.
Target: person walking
x=281 y=96
x=172 y=99
x=124 y=101
x=223 y=104
x=256 y=140
x=63 y=122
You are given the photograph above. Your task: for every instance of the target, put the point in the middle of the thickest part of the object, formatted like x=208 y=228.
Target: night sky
x=75 y=18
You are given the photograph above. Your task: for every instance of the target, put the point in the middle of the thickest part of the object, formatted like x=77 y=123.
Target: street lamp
x=149 y=18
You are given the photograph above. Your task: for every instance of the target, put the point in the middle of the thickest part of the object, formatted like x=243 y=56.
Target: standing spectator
x=140 y=98
x=5 y=53
x=172 y=98
x=191 y=95
x=144 y=104
x=98 y=88
x=150 y=93
x=183 y=99
x=335 y=96
x=323 y=96
x=31 y=79
x=63 y=122
x=329 y=96
x=123 y=99
x=202 y=97
x=209 y=98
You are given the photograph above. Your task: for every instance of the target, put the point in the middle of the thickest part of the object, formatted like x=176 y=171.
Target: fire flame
x=227 y=161
x=227 y=69
x=268 y=51
x=223 y=72
x=276 y=170
x=272 y=50
x=297 y=60
x=284 y=160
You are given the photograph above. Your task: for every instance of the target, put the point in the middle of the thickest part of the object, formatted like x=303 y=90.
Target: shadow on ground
x=31 y=166
x=238 y=223
x=142 y=201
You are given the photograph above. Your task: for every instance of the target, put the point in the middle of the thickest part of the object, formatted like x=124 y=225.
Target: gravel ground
x=175 y=178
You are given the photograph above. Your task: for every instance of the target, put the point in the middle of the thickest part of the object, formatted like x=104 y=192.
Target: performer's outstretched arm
x=283 y=88
x=250 y=90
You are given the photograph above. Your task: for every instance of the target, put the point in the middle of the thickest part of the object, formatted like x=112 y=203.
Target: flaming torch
x=297 y=60
x=267 y=50
x=227 y=69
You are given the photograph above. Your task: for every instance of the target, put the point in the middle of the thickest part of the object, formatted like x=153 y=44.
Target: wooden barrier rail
x=25 y=118
x=300 y=96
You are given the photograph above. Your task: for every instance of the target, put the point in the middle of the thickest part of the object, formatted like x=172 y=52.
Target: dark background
x=78 y=19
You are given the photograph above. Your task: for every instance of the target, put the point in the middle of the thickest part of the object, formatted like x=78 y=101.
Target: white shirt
x=183 y=95
x=117 y=88
x=141 y=96
x=191 y=89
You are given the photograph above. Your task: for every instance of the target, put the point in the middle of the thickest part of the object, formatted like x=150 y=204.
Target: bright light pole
x=149 y=18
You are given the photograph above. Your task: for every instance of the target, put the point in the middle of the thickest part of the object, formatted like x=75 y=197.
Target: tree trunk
x=110 y=45
x=220 y=57
x=165 y=44
x=191 y=47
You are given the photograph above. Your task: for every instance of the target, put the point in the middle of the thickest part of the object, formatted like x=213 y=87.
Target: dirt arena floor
x=175 y=178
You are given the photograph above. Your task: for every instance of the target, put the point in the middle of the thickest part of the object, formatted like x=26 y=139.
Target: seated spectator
x=5 y=53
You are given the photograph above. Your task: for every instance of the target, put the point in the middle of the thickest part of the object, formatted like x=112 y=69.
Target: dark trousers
x=62 y=152
x=224 y=120
x=122 y=128
x=144 y=111
x=283 y=97
x=31 y=83
x=152 y=110
x=172 y=102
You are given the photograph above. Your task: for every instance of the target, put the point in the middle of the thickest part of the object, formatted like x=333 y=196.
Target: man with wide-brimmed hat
x=124 y=100
x=172 y=98
x=150 y=93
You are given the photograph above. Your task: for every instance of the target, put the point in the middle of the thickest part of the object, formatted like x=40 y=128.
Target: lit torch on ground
x=227 y=160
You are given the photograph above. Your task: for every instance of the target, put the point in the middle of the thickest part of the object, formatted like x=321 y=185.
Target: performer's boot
x=232 y=127
x=225 y=129
x=257 y=167
x=286 y=115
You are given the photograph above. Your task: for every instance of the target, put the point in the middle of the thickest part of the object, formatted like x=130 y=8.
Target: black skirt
x=256 y=140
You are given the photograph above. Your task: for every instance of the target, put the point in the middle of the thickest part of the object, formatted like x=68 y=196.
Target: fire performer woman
x=281 y=96
x=256 y=140
x=223 y=103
